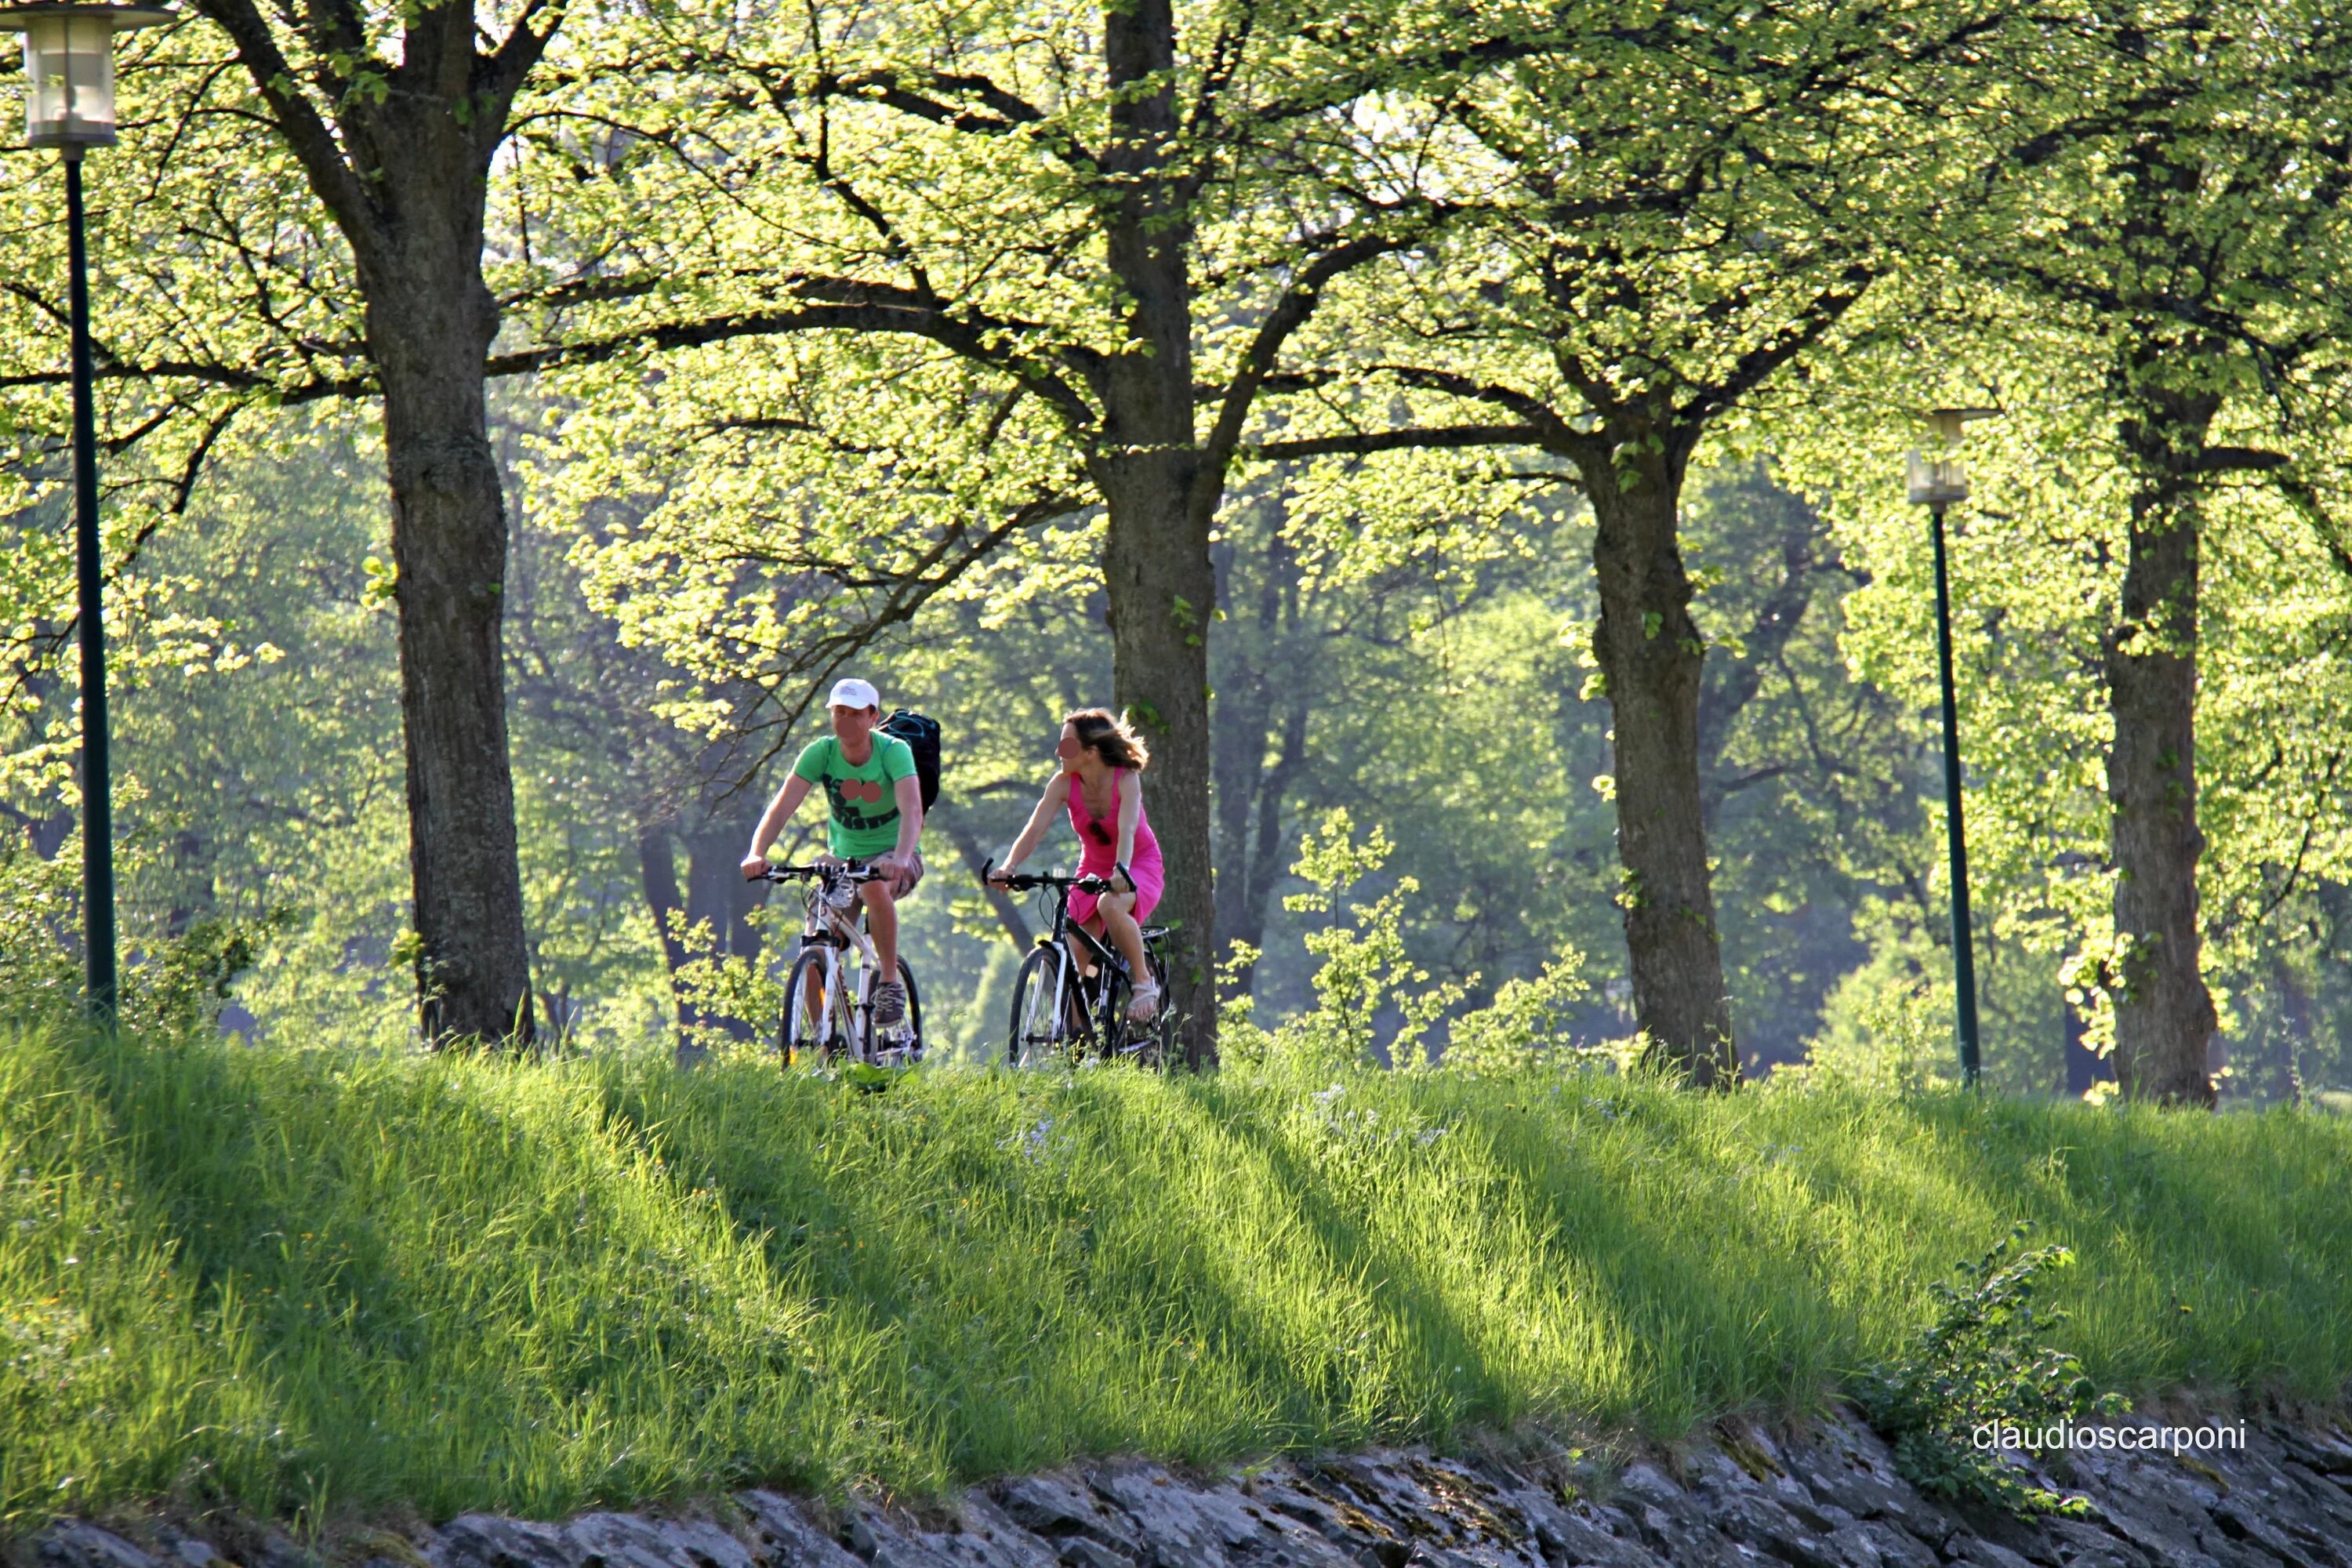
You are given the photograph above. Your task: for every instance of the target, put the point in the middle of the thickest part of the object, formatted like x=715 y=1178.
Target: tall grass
x=312 y=1282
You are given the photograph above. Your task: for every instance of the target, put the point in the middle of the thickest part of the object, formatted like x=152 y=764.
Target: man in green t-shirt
x=868 y=779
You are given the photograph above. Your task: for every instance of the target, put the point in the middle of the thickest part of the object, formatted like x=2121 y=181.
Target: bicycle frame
x=1106 y=959
x=832 y=931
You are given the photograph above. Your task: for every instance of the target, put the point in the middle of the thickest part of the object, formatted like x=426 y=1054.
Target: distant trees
x=1089 y=211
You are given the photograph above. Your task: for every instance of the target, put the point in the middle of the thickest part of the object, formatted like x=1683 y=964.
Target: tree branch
x=314 y=142
x=1442 y=438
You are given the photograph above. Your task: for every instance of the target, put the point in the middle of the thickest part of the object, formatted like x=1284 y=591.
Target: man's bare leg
x=882 y=924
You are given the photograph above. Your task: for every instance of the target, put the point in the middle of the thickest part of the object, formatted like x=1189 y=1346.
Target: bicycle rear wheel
x=1139 y=1042
x=813 y=1021
x=1041 y=1034
x=903 y=1044
x=1112 y=993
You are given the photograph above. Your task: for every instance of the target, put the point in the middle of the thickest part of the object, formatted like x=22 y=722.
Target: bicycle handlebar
x=1022 y=882
x=805 y=873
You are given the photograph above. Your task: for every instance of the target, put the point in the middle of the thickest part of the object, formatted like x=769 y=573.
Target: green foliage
x=39 y=913
x=1982 y=1362
x=1365 y=971
x=1529 y=1021
x=1757 y=251
x=1887 y=1032
x=179 y=983
x=185 y=986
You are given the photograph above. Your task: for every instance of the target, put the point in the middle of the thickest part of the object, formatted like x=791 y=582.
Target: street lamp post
x=70 y=105
x=1937 y=482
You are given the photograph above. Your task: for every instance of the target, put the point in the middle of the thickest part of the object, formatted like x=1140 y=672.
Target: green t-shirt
x=863 y=799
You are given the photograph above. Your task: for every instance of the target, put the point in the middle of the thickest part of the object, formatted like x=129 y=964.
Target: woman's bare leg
x=1115 y=916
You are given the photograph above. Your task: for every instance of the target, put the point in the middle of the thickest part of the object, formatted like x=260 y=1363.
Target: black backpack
x=922 y=737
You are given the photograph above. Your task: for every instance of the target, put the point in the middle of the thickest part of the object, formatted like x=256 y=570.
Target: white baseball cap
x=853 y=693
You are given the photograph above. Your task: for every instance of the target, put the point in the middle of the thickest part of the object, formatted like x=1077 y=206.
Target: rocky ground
x=1825 y=1496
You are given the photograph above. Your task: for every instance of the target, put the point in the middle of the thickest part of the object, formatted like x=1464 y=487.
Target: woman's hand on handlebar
x=754 y=867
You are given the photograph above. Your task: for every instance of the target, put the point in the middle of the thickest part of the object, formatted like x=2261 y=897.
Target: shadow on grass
x=332 y=1281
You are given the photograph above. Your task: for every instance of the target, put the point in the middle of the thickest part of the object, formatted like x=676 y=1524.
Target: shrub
x=1979 y=1363
x=1365 y=967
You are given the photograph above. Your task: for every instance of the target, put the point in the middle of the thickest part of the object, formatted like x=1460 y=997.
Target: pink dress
x=1100 y=837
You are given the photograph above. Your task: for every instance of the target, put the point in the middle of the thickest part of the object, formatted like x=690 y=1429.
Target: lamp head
x=1936 y=476
x=70 y=68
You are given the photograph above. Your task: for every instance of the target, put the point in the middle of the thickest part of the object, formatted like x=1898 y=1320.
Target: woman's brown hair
x=1112 y=737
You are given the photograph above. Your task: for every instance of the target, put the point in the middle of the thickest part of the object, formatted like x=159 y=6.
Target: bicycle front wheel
x=1041 y=1034
x=812 y=1020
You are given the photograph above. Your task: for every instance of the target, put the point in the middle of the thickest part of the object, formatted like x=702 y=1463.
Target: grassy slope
x=313 y=1282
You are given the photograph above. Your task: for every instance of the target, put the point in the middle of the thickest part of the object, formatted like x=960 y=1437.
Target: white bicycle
x=828 y=999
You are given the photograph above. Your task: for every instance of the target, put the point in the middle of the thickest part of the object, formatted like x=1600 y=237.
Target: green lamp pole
x=70 y=105
x=1937 y=482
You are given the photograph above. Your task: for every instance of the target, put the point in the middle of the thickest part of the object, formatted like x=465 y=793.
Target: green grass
x=314 y=1282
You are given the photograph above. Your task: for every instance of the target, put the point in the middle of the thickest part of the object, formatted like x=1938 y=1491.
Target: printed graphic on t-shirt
x=864 y=798
x=853 y=800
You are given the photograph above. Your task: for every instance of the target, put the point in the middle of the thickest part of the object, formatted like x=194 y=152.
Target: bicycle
x=824 y=1011
x=1059 y=1016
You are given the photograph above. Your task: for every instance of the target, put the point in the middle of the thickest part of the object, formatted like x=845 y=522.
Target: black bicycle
x=826 y=1010
x=1062 y=1015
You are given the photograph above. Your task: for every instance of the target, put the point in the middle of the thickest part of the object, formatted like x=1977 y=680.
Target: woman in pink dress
x=1099 y=780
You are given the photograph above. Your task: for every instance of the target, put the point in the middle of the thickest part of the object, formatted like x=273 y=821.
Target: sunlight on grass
x=318 y=1281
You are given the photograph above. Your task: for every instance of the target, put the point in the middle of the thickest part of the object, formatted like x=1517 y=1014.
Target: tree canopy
x=1484 y=420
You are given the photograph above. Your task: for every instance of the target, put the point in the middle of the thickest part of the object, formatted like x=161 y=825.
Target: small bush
x=1979 y=1363
x=169 y=985
x=1365 y=968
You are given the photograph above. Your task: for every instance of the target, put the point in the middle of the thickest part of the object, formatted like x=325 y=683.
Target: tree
x=2199 y=257
x=1674 y=212
x=394 y=123
x=1086 y=211
x=2149 y=288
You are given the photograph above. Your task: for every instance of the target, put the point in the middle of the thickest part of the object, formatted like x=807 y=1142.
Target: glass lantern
x=69 y=68
x=1935 y=478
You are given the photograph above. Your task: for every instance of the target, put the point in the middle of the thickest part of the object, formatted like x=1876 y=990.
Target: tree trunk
x=715 y=892
x=2164 y=1016
x=430 y=321
x=1777 y=618
x=2292 y=1030
x=193 y=876
x=1161 y=497
x=1651 y=657
x=2084 y=1066
x=657 y=873
x=951 y=827
x=1156 y=567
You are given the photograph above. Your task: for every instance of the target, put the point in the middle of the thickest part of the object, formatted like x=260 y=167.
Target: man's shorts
x=902 y=886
